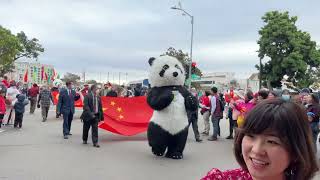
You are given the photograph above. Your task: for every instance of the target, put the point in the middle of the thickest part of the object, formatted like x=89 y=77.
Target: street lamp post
x=192 y=21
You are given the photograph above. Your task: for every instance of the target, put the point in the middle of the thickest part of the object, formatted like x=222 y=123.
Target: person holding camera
x=92 y=114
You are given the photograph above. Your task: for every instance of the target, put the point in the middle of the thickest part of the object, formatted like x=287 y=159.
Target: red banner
x=126 y=116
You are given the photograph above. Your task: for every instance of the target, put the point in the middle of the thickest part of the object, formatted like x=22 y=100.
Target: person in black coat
x=193 y=120
x=92 y=114
x=112 y=93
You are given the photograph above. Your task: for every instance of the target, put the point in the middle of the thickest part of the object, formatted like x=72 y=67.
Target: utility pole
x=84 y=76
x=126 y=77
x=119 y=77
x=108 y=77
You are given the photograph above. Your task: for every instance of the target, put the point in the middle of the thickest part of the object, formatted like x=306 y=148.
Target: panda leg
x=176 y=145
x=157 y=138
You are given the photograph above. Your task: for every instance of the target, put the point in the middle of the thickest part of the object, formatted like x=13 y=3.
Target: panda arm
x=159 y=98
x=190 y=101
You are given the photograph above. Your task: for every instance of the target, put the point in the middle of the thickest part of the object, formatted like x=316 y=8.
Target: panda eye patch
x=164 y=68
x=178 y=68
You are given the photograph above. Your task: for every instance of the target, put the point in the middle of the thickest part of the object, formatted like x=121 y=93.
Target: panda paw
x=175 y=155
x=157 y=153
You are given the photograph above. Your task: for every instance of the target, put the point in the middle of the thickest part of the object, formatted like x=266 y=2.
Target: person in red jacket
x=205 y=112
x=33 y=94
x=2 y=105
x=5 y=81
x=85 y=90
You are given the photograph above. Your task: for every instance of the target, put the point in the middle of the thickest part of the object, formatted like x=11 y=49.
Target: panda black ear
x=151 y=60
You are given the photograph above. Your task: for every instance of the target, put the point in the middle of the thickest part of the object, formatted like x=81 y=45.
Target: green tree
x=290 y=51
x=184 y=59
x=30 y=48
x=91 y=82
x=71 y=77
x=9 y=45
x=14 y=47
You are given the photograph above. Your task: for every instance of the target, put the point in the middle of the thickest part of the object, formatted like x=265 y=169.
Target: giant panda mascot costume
x=168 y=127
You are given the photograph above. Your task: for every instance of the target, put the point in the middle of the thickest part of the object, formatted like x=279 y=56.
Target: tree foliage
x=91 y=82
x=184 y=59
x=29 y=48
x=69 y=77
x=291 y=51
x=13 y=47
x=9 y=45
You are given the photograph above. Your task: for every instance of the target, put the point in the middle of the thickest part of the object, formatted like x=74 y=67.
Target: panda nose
x=175 y=74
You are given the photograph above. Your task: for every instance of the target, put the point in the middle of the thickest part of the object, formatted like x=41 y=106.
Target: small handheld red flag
x=25 y=78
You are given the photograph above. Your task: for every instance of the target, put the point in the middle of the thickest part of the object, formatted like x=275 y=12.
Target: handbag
x=87 y=116
x=240 y=120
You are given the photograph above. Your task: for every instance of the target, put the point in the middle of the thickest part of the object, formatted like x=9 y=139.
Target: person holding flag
x=91 y=115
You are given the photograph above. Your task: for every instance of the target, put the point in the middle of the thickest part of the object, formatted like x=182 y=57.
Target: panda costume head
x=166 y=71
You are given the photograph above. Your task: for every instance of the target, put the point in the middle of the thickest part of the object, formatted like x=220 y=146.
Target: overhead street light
x=192 y=21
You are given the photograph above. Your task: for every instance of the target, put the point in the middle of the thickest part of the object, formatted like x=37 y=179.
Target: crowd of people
x=236 y=104
x=15 y=96
x=275 y=132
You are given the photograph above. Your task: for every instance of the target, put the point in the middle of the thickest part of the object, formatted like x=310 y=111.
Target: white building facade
x=31 y=73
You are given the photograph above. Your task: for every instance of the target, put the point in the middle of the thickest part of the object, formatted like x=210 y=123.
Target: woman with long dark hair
x=274 y=143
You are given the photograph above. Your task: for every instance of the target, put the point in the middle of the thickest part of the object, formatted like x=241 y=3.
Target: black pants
x=194 y=123
x=67 y=121
x=193 y=119
x=231 y=122
x=18 y=120
x=1 y=118
x=10 y=116
x=94 y=130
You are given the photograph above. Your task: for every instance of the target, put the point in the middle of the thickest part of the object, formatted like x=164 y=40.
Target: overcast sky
x=120 y=35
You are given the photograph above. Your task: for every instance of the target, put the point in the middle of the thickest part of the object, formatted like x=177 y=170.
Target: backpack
x=222 y=102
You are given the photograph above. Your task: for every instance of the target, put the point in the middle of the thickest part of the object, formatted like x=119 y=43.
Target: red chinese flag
x=55 y=97
x=126 y=116
x=25 y=78
x=79 y=102
x=45 y=76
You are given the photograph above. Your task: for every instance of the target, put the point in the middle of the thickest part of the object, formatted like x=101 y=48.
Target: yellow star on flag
x=119 y=109
x=104 y=109
x=112 y=103
x=121 y=117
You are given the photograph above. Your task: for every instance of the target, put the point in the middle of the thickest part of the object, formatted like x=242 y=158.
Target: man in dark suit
x=65 y=107
x=92 y=114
